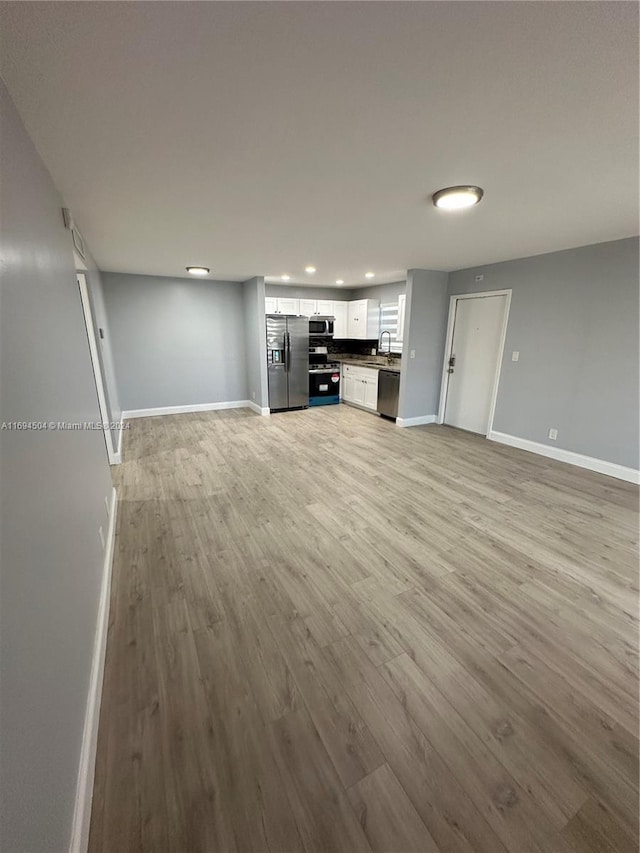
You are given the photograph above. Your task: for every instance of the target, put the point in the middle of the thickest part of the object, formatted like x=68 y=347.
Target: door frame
x=112 y=451
x=444 y=384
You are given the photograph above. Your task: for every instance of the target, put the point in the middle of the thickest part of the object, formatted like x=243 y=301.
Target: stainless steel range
x=324 y=378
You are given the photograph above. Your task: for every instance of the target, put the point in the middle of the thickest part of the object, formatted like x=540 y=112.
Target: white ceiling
x=257 y=138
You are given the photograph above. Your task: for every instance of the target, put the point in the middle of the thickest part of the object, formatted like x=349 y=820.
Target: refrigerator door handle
x=287 y=352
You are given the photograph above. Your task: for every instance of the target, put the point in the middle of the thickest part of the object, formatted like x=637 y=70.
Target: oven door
x=324 y=387
x=321 y=327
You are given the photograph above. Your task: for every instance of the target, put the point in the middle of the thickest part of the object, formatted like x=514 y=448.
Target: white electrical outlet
x=553 y=434
x=515 y=356
x=373 y=352
x=101 y=535
x=412 y=353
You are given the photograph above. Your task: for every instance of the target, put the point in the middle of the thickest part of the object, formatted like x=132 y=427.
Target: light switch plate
x=553 y=434
x=412 y=353
x=515 y=356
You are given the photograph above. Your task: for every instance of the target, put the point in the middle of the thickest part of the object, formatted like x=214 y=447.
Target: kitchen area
x=328 y=351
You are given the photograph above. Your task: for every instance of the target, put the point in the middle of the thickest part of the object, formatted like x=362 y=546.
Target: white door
x=270 y=305
x=474 y=361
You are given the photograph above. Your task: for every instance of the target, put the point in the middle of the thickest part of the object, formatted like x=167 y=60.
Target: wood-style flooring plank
x=330 y=634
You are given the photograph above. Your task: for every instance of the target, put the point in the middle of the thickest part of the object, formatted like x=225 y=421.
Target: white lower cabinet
x=360 y=386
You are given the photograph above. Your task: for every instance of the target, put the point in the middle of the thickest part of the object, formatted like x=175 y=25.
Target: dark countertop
x=375 y=363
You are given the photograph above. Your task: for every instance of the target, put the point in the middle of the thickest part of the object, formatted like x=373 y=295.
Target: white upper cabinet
x=364 y=319
x=317 y=307
x=341 y=325
x=288 y=306
x=324 y=307
x=281 y=305
x=308 y=307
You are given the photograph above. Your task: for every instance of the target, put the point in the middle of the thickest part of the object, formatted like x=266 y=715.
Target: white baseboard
x=86 y=771
x=261 y=410
x=423 y=419
x=181 y=410
x=620 y=472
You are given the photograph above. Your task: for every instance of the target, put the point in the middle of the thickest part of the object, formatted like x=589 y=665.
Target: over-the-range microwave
x=321 y=327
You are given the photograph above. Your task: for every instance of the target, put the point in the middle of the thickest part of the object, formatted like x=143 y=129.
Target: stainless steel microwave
x=321 y=327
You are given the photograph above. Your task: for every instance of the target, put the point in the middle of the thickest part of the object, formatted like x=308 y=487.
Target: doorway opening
x=113 y=453
x=474 y=347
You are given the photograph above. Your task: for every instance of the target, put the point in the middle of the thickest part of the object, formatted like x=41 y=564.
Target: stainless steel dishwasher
x=388 y=388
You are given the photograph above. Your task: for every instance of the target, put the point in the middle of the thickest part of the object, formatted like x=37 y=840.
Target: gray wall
x=338 y=293
x=255 y=336
x=574 y=320
x=425 y=323
x=386 y=293
x=54 y=486
x=176 y=341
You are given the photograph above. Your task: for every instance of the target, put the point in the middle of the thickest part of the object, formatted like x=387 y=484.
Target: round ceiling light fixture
x=198 y=270
x=310 y=270
x=339 y=281
x=285 y=277
x=457 y=198
x=369 y=275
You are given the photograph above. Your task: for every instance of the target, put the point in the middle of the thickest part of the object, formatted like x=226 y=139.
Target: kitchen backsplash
x=351 y=347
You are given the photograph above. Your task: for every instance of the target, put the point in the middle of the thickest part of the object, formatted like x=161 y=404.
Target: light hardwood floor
x=331 y=634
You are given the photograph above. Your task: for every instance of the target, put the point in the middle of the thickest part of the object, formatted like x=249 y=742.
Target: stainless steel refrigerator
x=288 y=361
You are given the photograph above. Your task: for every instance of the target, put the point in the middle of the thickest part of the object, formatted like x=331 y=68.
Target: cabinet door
x=358 y=389
x=288 y=306
x=307 y=307
x=354 y=322
x=346 y=385
x=341 y=325
x=371 y=392
x=270 y=305
x=324 y=307
x=371 y=318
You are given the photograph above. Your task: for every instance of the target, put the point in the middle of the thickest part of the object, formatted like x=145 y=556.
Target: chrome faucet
x=385 y=332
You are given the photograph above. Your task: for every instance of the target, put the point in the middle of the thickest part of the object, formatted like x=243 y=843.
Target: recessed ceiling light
x=339 y=281
x=285 y=277
x=369 y=274
x=456 y=198
x=198 y=270
x=310 y=270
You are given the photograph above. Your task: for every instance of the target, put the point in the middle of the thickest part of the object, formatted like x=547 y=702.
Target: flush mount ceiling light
x=310 y=270
x=198 y=270
x=457 y=198
x=339 y=281
x=369 y=274
x=285 y=277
